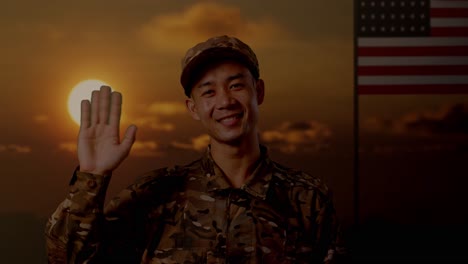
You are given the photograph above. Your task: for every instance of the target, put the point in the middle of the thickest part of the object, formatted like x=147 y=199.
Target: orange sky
x=306 y=59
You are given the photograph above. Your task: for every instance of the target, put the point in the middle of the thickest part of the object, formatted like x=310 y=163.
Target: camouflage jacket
x=191 y=214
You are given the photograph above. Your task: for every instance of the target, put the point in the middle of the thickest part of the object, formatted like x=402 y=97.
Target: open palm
x=100 y=149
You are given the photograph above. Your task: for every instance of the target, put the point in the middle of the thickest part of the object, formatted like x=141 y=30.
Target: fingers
x=104 y=104
x=115 y=109
x=94 y=107
x=129 y=137
x=85 y=114
x=100 y=105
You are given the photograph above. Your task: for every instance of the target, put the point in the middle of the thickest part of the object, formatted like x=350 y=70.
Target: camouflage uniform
x=191 y=214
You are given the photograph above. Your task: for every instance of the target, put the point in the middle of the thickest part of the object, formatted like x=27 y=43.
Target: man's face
x=226 y=100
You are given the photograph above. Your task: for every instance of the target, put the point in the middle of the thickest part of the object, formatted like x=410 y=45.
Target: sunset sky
x=305 y=50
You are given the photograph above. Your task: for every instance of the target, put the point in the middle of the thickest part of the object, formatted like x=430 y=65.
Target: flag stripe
x=413 y=70
x=449 y=22
x=448 y=4
x=414 y=51
x=413 y=89
x=450 y=31
x=408 y=61
x=414 y=79
x=449 y=12
x=412 y=42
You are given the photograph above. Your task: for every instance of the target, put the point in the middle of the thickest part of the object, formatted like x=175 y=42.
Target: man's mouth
x=230 y=119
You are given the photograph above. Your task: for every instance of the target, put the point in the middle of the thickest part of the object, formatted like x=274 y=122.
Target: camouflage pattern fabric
x=191 y=214
x=212 y=50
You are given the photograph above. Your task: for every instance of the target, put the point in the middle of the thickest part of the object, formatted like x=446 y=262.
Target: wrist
x=95 y=171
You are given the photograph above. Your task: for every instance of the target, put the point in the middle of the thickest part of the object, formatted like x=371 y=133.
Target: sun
x=80 y=92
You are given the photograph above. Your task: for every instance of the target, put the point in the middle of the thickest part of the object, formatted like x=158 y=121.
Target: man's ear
x=190 y=104
x=260 y=90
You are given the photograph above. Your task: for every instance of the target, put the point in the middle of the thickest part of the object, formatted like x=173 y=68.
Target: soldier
x=233 y=205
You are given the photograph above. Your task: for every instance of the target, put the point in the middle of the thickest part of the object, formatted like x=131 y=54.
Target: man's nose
x=225 y=99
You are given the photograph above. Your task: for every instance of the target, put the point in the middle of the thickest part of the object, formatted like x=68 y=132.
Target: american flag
x=411 y=46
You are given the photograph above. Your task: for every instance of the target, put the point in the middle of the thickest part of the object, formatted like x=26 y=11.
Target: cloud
x=68 y=147
x=198 y=143
x=140 y=148
x=152 y=114
x=153 y=123
x=172 y=32
x=147 y=148
x=15 y=148
x=448 y=120
x=291 y=137
x=166 y=108
x=41 y=119
x=435 y=147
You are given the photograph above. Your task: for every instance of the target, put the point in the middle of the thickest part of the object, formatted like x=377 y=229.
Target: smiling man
x=233 y=205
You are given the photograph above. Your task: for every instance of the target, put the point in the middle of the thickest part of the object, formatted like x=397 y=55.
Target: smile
x=230 y=119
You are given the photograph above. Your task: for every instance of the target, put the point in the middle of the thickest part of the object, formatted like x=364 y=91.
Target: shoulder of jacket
x=165 y=176
x=298 y=178
x=162 y=183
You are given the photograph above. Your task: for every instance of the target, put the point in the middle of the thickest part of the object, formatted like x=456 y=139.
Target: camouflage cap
x=215 y=50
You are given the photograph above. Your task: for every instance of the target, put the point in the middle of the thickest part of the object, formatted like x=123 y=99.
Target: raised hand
x=100 y=149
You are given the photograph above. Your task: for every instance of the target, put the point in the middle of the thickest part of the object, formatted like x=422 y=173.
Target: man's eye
x=207 y=92
x=237 y=85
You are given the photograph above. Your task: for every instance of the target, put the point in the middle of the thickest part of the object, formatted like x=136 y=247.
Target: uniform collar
x=256 y=186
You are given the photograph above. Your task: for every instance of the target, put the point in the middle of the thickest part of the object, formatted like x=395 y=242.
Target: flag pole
x=356 y=122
